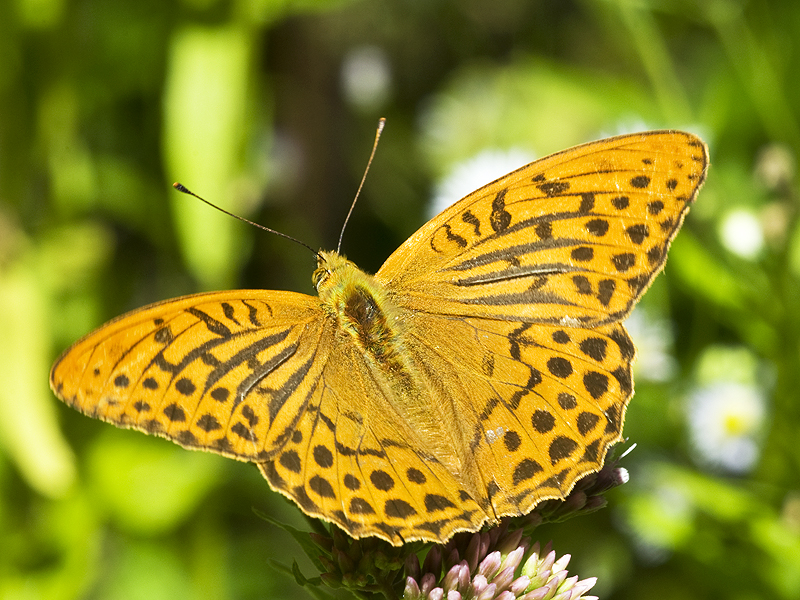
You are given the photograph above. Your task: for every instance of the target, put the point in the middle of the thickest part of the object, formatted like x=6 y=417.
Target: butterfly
x=483 y=369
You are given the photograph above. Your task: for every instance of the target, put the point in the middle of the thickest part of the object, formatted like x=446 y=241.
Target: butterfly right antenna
x=381 y=123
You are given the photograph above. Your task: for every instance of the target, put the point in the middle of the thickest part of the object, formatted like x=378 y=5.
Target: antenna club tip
x=180 y=187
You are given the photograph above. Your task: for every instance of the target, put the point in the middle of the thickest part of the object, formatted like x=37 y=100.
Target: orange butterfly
x=481 y=370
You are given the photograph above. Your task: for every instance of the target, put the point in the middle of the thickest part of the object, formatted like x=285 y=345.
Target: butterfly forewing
x=227 y=372
x=573 y=238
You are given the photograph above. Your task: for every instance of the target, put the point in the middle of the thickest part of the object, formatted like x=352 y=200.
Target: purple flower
x=493 y=565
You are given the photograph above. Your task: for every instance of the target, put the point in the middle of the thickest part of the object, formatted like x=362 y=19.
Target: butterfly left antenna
x=381 y=124
x=182 y=188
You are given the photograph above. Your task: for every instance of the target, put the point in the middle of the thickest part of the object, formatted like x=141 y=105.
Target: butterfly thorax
x=361 y=309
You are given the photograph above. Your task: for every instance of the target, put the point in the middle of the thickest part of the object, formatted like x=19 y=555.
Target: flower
x=741 y=233
x=725 y=422
x=493 y=565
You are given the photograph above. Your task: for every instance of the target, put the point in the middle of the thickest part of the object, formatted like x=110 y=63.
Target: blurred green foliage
x=268 y=108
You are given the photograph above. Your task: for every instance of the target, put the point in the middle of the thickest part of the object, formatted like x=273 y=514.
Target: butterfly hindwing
x=542 y=403
x=354 y=460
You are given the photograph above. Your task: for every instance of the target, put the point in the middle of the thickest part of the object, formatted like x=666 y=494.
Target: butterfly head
x=331 y=268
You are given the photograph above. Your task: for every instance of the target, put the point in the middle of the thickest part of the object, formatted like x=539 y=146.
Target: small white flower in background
x=653 y=340
x=725 y=424
x=741 y=233
x=473 y=173
x=366 y=77
x=776 y=166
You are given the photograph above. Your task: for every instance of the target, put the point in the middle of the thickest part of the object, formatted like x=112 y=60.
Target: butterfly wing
x=229 y=372
x=543 y=403
x=354 y=459
x=516 y=293
x=264 y=376
x=572 y=238
x=527 y=434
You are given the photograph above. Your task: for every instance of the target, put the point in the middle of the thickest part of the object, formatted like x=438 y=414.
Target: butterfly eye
x=321 y=273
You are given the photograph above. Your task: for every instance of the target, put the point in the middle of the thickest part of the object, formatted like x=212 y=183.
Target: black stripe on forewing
x=251 y=394
x=249 y=354
x=245 y=355
x=258 y=370
x=511 y=257
x=287 y=389
x=198 y=352
x=280 y=398
x=511 y=254
x=561 y=188
x=252 y=313
x=519 y=272
x=213 y=325
x=202 y=352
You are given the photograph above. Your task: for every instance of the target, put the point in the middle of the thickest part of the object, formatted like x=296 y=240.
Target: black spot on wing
x=359 y=506
x=561 y=448
x=544 y=230
x=553 y=188
x=594 y=347
x=381 y=480
x=638 y=233
x=500 y=218
x=587 y=203
x=208 y=423
x=606 y=289
x=321 y=486
x=175 y=413
x=582 y=254
x=398 y=509
x=620 y=202
x=597 y=227
x=351 y=482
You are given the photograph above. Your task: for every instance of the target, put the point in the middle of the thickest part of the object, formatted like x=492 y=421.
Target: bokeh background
x=268 y=107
